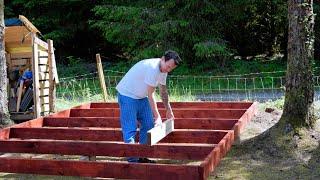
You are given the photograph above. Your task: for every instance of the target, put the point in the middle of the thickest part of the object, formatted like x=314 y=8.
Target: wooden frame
x=44 y=70
x=202 y=141
x=25 y=50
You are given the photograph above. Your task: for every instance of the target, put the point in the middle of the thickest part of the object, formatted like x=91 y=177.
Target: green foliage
x=211 y=49
x=72 y=61
x=74 y=66
x=145 y=30
x=216 y=49
x=203 y=32
x=254 y=27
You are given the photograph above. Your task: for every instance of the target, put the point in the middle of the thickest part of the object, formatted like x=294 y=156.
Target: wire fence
x=259 y=87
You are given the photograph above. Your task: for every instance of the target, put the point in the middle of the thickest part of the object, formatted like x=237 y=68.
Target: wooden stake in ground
x=101 y=77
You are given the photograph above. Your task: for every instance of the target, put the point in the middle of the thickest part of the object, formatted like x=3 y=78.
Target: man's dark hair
x=172 y=55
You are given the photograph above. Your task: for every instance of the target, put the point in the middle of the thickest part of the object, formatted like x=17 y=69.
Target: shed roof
x=18 y=35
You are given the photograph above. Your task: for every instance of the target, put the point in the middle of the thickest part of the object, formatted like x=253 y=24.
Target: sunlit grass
x=67 y=101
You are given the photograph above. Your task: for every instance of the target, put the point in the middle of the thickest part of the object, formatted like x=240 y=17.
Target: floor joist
x=179 y=123
x=177 y=136
x=174 y=105
x=179 y=113
x=116 y=149
x=99 y=169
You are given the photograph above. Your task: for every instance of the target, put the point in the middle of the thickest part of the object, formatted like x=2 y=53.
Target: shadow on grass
x=262 y=158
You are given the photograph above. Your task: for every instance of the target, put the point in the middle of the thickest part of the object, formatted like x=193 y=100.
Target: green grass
x=62 y=103
x=204 y=77
x=184 y=83
x=178 y=85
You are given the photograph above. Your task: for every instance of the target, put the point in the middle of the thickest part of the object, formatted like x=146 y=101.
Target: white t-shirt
x=145 y=72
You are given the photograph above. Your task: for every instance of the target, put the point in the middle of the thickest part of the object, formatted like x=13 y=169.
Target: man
x=136 y=97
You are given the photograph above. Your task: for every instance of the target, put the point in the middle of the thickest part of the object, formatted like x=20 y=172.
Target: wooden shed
x=31 y=70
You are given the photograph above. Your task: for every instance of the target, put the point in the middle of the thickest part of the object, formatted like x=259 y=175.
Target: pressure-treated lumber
x=104 y=148
x=210 y=105
x=100 y=169
x=159 y=132
x=179 y=113
x=212 y=160
x=177 y=136
x=244 y=119
x=112 y=122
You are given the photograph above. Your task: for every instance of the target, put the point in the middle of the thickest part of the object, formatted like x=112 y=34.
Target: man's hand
x=157 y=121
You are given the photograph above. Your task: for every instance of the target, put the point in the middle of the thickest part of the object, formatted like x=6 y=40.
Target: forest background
x=212 y=37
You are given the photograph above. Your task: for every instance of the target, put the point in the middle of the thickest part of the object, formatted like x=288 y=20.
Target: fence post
x=101 y=77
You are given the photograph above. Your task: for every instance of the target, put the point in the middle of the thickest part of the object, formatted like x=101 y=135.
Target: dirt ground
x=250 y=159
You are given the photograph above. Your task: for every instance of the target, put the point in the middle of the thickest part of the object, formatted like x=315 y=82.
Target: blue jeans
x=131 y=111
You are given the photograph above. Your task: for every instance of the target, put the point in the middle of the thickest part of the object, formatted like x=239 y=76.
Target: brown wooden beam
x=210 y=105
x=4 y=133
x=100 y=169
x=245 y=118
x=115 y=149
x=213 y=159
x=177 y=136
x=195 y=136
x=83 y=106
x=32 y=123
x=179 y=113
x=204 y=123
x=112 y=122
x=64 y=113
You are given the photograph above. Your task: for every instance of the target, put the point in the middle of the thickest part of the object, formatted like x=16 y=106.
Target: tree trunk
x=4 y=114
x=298 y=107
